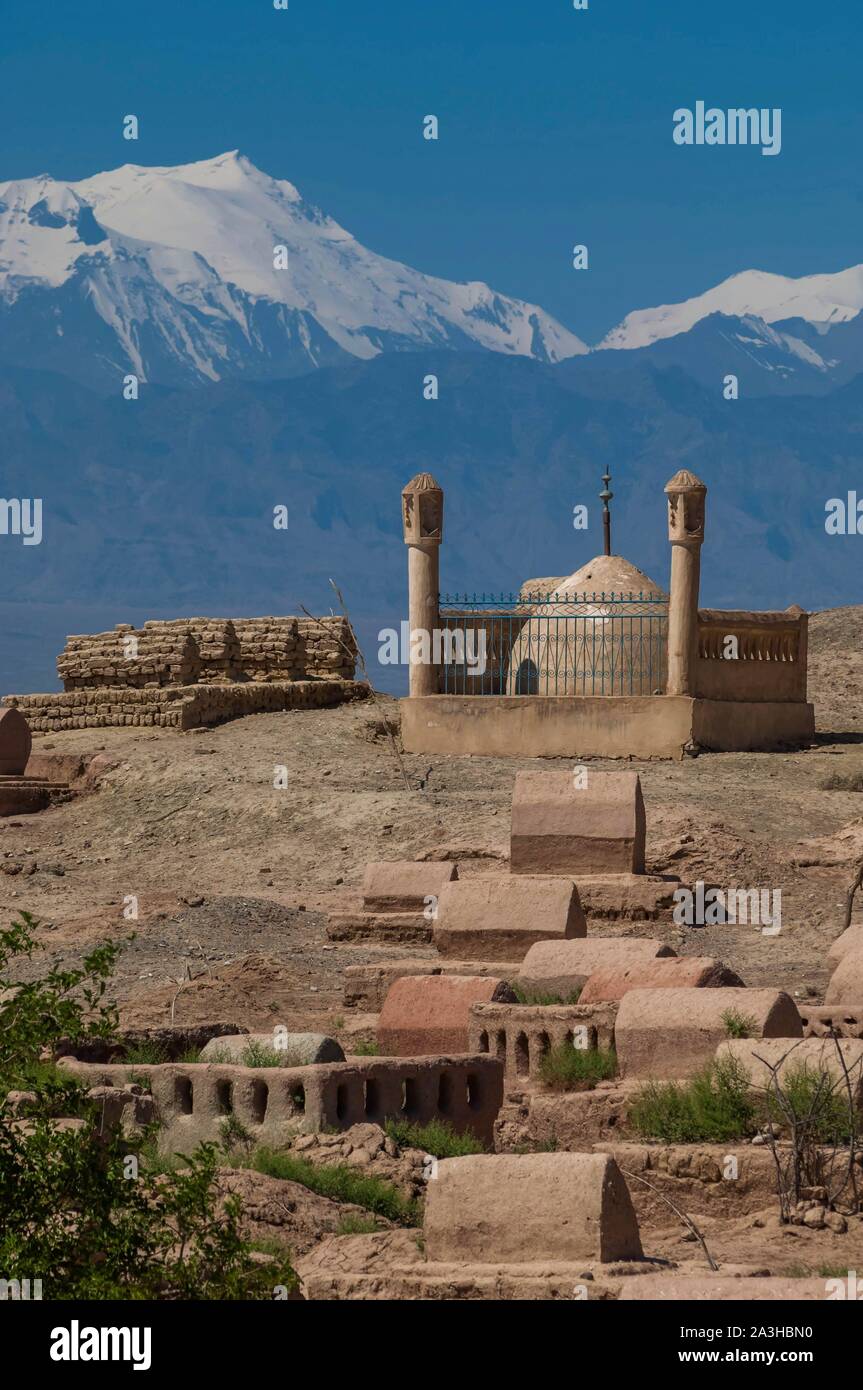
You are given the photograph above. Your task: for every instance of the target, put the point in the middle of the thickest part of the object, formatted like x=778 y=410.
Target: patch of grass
x=436 y=1138
x=533 y=996
x=738 y=1025
x=366 y=1048
x=352 y=1224
x=568 y=1068
x=341 y=1183
x=712 y=1107
x=190 y=1056
x=257 y=1054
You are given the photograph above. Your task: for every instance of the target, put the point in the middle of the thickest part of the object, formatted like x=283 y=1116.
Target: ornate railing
x=553 y=644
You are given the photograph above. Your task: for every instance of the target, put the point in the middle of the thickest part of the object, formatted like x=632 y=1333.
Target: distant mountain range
x=215 y=270
x=304 y=387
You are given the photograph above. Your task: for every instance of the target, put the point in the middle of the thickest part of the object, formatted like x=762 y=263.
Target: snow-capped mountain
x=214 y=269
x=820 y=300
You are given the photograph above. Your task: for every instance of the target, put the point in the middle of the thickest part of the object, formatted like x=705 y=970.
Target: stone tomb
x=490 y=1208
x=496 y=1227
x=366 y=986
x=591 y=826
x=431 y=1013
x=679 y=972
x=399 y=900
x=19 y=794
x=562 y=967
x=846 y=983
x=500 y=918
x=671 y=1033
x=577 y=822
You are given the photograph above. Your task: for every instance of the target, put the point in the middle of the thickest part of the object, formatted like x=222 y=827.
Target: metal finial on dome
x=605 y=497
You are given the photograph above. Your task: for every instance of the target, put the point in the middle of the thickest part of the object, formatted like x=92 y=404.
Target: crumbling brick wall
x=207 y=651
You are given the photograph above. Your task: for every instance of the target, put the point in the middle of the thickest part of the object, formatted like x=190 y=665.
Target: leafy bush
x=436 y=1138
x=568 y=1068
x=712 y=1107
x=817 y=1102
x=81 y=1209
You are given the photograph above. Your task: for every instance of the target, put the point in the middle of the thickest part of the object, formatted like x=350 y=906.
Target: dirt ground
x=233 y=877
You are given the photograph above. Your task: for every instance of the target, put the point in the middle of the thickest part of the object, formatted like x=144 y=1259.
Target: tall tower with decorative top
x=422 y=522
x=686 y=503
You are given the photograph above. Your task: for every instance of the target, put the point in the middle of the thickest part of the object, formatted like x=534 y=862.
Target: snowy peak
x=821 y=300
x=219 y=255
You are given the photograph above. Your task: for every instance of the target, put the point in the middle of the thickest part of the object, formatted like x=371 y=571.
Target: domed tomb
x=601 y=631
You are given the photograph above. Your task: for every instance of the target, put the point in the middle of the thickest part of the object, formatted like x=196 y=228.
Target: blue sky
x=555 y=127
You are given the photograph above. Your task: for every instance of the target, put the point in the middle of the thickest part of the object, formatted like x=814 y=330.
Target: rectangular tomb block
x=562 y=967
x=678 y=972
x=398 y=928
x=577 y=822
x=366 y=986
x=668 y=1033
x=430 y=1014
x=404 y=885
x=518 y=1208
x=500 y=918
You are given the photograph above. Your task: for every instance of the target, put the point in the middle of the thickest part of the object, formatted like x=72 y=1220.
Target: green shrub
x=365 y=1048
x=436 y=1138
x=352 y=1224
x=340 y=1182
x=712 y=1107
x=146 y=1054
x=738 y=1025
x=568 y=1068
x=533 y=996
x=818 y=1102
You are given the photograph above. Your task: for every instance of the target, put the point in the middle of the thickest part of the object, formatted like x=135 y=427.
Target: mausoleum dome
x=603 y=574
x=599 y=631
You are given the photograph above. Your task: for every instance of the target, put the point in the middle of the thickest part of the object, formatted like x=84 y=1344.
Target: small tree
x=816 y=1145
x=78 y=1207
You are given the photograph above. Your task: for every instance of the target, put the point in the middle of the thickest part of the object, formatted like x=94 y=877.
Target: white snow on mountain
x=822 y=300
x=184 y=257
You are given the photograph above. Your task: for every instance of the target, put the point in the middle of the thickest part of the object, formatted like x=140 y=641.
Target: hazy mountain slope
x=164 y=506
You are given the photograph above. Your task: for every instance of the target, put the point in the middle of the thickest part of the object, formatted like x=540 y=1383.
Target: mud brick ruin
x=187 y=672
x=515 y=971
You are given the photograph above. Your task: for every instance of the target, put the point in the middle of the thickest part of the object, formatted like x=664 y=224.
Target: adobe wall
x=176 y=707
x=601 y=726
x=534 y=726
x=275 y=1103
x=732 y=726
